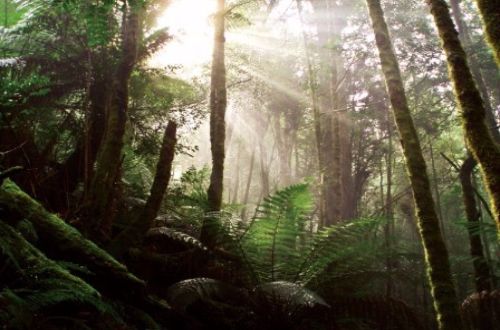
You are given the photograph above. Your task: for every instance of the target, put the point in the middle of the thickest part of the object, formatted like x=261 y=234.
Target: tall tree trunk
x=247 y=188
x=389 y=213
x=481 y=268
x=318 y=132
x=491 y=21
x=472 y=110
x=475 y=68
x=218 y=102
x=436 y=254
x=330 y=99
x=482 y=273
x=108 y=162
x=236 y=186
x=99 y=95
x=435 y=187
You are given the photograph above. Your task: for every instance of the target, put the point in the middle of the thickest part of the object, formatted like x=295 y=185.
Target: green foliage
x=280 y=246
x=10 y=13
x=39 y=283
x=291 y=294
x=98 y=15
x=272 y=240
x=183 y=294
x=165 y=233
x=137 y=175
x=190 y=193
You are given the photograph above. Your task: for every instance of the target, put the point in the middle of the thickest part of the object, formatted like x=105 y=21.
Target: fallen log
x=68 y=243
x=37 y=283
x=64 y=242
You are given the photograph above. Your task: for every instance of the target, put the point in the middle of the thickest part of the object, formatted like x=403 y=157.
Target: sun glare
x=189 y=21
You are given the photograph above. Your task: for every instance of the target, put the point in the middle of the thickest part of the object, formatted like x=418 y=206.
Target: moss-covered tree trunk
x=477 y=133
x=218 y=102
x=475 y=68
x=133 y=234
x=436 y=254
x=490 y=14
x=162 y=176
x=103 y=186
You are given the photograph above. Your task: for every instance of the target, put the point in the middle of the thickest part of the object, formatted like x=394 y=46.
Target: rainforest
x=250 y=164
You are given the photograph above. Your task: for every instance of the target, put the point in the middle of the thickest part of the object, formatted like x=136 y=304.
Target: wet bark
x=436 y=254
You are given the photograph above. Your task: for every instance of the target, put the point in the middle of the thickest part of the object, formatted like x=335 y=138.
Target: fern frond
x=292 y=294
x=273 y=241
x=183 y=294
x=337 y=244
x=174 y=236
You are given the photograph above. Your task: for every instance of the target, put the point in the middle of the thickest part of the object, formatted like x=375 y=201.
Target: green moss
x=41 y=282
x=436 y=254
x=490 y=14
x=65 y=239
x=472 y=110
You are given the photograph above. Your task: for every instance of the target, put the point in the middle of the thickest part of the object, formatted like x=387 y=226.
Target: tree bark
x=491 y=21
x=436 y=254
x=133 y=234
x=475 y=69
x=482 y=273
x=389 y=212
x=108 y=162
x=162 y=176
x=472 y=110
x=318 y=131
x=218 y=102
x=329 y=100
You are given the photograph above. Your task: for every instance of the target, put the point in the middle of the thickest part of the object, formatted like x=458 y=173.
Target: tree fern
x=278 y=245
x=271 y=242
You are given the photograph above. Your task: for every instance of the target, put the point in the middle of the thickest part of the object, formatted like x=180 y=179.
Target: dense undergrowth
x=55 y=278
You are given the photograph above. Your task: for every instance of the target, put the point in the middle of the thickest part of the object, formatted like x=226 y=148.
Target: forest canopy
x=246 y=164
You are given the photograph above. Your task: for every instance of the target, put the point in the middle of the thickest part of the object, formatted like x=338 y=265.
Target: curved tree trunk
x=472 y=110
x=218 y=102
x=162 y=177
x=133 y=234
x=436 y=254
x=490 y=13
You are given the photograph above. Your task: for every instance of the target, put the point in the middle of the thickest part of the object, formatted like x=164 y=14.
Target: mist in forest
x=250 y=164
